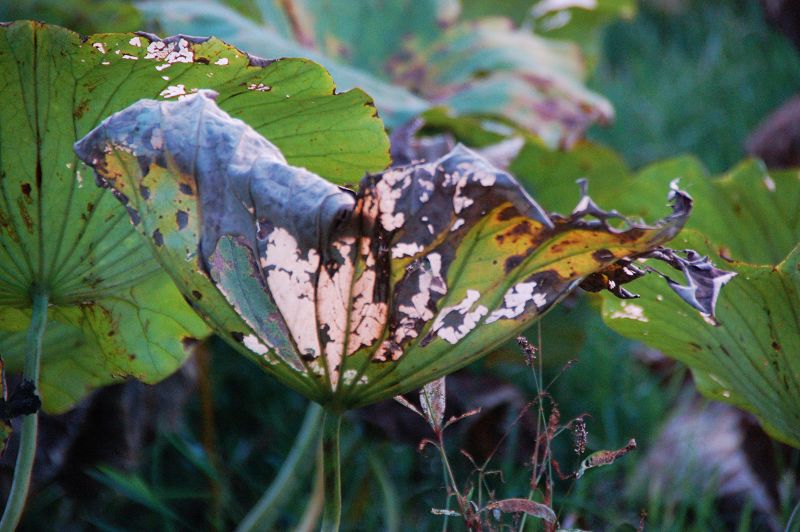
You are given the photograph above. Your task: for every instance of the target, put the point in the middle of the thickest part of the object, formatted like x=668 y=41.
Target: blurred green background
x=684 y=77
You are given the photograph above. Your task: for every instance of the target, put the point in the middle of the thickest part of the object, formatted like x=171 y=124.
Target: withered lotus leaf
x=349 y=297
x=113 y=312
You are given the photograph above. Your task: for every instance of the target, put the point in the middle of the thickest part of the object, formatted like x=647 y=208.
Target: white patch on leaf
x=252 y=343
x=290 y=280
x=515 y=300
x=394 y=221
x=172 y=91
x=333 y=293
x=430 y=281
x=469 y=318
x=539 y=300
x=174 y=52
x=630 y=311
x=390 y=189
x=401 y=250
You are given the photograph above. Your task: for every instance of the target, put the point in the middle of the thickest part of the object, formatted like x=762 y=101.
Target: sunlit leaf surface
x=114 y=313
x=348 y=297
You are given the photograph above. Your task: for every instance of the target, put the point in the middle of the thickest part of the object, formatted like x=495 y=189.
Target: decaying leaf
x=527 y=506
x=113 y=312
x=432 y=398
x=745 y=219
x=748 y=359
x=348 y=297
x=601 y=458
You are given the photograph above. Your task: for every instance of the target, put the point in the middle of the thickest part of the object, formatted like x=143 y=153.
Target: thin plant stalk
x=541 y=422
x=332 y=474
x=791 y=517
x=310 y=519
x=266 y=510
x=447 y=501
x=30 y=424
x=208 y=435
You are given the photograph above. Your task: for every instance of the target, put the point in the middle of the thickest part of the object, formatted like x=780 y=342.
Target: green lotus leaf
x=748 y=197
x=579 y=22
x=348 y=297
x=479 y=68
x=750 y=358
x=746 y=219
x=113 y=312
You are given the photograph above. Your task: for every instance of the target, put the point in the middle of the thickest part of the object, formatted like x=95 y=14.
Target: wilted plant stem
x=331 y=471
x=266 y=510
x=30 y=424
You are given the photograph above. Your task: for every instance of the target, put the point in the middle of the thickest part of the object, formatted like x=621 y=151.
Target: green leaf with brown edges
x=746 y=220
x=349 y=297
x=750 y=359
x=113 y=311
x=747 y=216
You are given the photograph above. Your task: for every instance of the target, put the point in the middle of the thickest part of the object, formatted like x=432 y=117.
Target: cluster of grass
x=696 y=78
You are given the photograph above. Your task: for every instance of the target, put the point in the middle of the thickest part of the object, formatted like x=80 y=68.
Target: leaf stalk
x=30 y=423
x=332 y=473
x=267 y=509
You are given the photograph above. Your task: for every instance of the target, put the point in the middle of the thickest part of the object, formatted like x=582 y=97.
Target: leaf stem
x=332 y=474
x=265 y=511
x=316 y=500
x=30 y=423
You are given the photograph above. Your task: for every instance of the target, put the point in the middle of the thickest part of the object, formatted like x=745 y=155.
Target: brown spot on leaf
x=81 y=109
x=26 y=190
x=26 y=217
x=507 y=213
x=5 y=223
x=512 y=262
x=776 y=346
x=197 y=295
x=236 y=335
x=522 y=228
